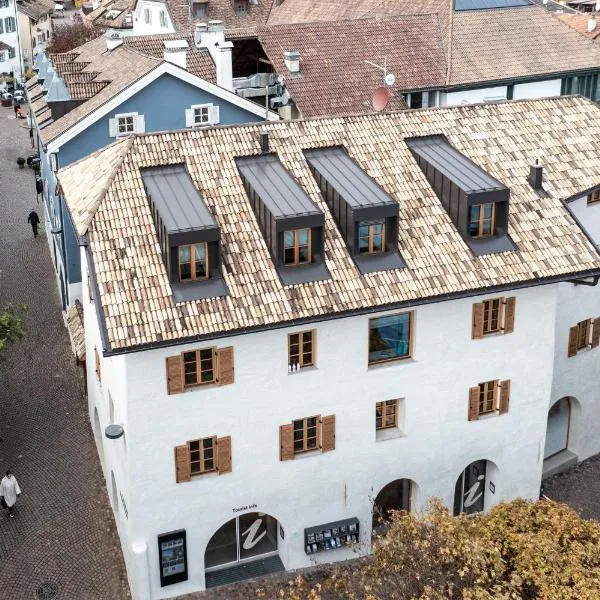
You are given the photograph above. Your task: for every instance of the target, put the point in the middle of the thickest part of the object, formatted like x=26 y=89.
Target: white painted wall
x=140 y=27
x=588 y=216
x=537 y=89
x=439 y=442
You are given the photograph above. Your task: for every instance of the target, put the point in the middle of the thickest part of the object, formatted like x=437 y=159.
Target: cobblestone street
x=63 y=532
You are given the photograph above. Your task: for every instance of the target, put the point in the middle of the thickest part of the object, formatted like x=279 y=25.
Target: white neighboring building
x=35 y=28
x=9 y=39
x=415 y=293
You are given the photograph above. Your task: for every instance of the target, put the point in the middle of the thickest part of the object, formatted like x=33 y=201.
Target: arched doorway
x=557 y=429
x=396 y=495
x=247 y=546
x=475 y=487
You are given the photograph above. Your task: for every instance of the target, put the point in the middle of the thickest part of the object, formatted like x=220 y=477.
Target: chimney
x=536 y=172
x=176 y=52
x=212 y=37
x=113 y=39
x=291 y=58
x=264 y=141
x=591 y=25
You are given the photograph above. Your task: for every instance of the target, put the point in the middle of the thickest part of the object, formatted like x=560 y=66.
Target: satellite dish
x=390 y=79
x=380 y=98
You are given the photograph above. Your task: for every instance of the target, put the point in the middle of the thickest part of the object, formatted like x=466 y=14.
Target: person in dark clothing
x=39 y=185
x=34 y=220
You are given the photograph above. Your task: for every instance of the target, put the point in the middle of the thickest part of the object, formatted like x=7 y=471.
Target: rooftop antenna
x=388 y=78
x=381 y=95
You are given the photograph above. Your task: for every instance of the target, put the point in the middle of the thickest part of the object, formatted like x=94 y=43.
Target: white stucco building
x=9 y=39
x=328 y=315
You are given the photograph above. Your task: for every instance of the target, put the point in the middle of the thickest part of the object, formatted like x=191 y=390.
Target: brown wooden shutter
x=477 y=327
x=509 y=314
x=224 y=455
x=474 y=403
x=328 y=433
x=225 y=365
x=596 y=333
x=573 y=340
x=174 y=375
x=286 y=442
x=504 y=396
x=183 y=471
x=97 y=358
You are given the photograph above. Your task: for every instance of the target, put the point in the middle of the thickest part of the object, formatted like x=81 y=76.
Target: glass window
x=163 y=18
x=258 y=535
x=2 y=56
x=193 y=262
x=470 y=489
x=488 y=393
x=10 y=24
x=305 y=434
x=4 y=4
x=300 y=349
x=147 y=16
x=125 y=125
x=481 y=220
x=201 y=115
x=583 y=334
x=492 y=315
x=199 y=9
x=241 y=7
x=223 y=546
x=371 y=237
x=11 y=53
x=593 y=197
x=296 y=246
x=389 y=338
x=198 y=367
x=202 y=456
x=2 y=26
x=386 y=414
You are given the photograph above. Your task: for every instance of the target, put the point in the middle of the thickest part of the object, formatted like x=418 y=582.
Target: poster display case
x=331 y=535
x=172 y=556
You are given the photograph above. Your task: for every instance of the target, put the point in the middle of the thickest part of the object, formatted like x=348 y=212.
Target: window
x=199 y=9
x=2 y=56
x=496 y=315
x=481 y=220
x=125 y=124
x=488 y=397
x=296 y=246
x=390 y=338
x=583 y=334
x=593 y=197
x=202 y=456
x=306 y=434
x=193 y=262
x=199 y=367
x=2 y=27
x=371 y=237
x=201 y=115
x=241 y=7
x=147 y=16
x=4 y=3
x=492 y=315
x=10 y=24
x=386 y=414
x=163 y=18
x=586 y=334
x=301 y=350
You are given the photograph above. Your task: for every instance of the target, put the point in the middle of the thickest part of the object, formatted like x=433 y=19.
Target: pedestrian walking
x=39 y=185
x=34 y=220
x=9 y=491
x=16 y=107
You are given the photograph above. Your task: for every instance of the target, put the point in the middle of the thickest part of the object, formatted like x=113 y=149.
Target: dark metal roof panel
x=461 y=170
x=347 y=178
x=179 y=203
x=460 y=5
x=277 y=189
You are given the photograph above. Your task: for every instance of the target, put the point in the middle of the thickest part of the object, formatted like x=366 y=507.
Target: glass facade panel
x=389 y=338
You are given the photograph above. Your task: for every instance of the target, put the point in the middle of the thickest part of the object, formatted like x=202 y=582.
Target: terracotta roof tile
x=76 y=330
x=504 y=139
x=34 y=9
x=579 y=23
x=223 y=10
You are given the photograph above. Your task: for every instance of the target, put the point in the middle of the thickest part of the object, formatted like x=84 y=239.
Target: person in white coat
x=9 y=491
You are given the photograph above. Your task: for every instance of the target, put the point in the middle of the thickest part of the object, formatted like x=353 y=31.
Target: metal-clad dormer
x=366 y=215
x=288 y=218
x=188 y=234
x=476 y=202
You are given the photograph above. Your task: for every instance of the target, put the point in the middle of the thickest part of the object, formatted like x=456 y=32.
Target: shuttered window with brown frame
x=301 y=349
x=202 y=456
x=306 y=435
x=496 y=315
x=489 y=397
x=586 y=334
x=200 y=367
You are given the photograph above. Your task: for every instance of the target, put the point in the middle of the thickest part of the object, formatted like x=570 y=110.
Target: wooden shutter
x=174 y=375
x=112 y=127
x=474 y=403
x=596 y=333
x=504 y=396
x=328 y=433
x=225 y=365
x=286 y=442
x=97 y=357
x=509 y=314
x=183 y=471
x=189 y=117
x=224 y=455
x=213 y=114
x=477 y=327
x=573 y=340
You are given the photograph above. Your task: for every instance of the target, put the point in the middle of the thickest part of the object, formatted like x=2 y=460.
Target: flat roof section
x=356 y=188
x=179 y=203
x=277 y=189
x=459 y=169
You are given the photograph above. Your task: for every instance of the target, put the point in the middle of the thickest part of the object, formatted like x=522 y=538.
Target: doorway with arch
x=475 y=487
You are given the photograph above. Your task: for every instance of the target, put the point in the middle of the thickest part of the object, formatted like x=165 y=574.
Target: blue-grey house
x=113 y=87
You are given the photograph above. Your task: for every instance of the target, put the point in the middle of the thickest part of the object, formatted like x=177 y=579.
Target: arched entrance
x=247 y=546
x=557 y=429
x=475 y=487
x=396 y=495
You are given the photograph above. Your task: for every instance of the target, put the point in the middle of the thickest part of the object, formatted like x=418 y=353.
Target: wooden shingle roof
x=135 y=295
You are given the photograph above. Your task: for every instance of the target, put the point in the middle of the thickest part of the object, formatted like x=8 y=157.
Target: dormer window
x=296 y=247
x=365 y=214
x=476 y=202
x=481 y=220
x=193 y=262
x=187 y=233
x=593 y=197
x=241 y=7
x=290 y=222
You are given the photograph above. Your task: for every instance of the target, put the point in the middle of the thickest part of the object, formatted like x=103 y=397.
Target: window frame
x=301 y=341
x=241 y=8
x=484 y=391
x=13 y=22
x=198 y=367
x=162 y=18
x=305 y=438
x=593 y=197
x=147 y=16
x=411 y=336
x=4 y=3
x=488 y=309
x=385 y=412
x=371 y=236
x=202 y=458
x=206 y=106
x=2 y=56
x=481 y=220
x=118 y=118
x=296 y=247
x=192 y=263
x=584 y=329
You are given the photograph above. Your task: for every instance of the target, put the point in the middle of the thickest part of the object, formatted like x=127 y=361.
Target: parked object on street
x=9 y=491
x=21 y=162
x=34 y=219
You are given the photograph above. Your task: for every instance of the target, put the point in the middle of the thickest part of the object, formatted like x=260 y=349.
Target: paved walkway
x=63 y=532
